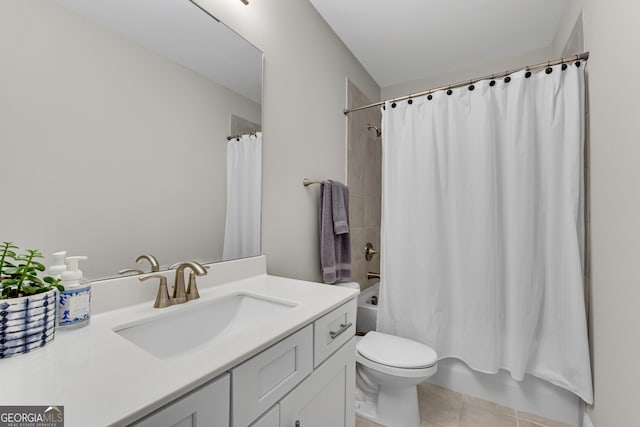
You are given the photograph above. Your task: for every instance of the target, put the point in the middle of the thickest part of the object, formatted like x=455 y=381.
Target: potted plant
x=27 y=303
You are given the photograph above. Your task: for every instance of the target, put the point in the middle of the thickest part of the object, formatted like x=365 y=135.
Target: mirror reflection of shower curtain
x=482 y=226
x=244 y=183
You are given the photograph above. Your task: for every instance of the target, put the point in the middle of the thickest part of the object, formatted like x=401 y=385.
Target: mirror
x=114 y=117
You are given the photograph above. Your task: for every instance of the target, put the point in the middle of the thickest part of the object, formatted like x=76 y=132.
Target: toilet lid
x=396 y=351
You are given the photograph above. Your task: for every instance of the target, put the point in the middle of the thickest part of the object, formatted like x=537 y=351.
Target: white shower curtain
x=482 y=226
x=244 y=183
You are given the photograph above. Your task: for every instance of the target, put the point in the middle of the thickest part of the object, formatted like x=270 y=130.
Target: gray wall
x=611 y=35
x=303 y=124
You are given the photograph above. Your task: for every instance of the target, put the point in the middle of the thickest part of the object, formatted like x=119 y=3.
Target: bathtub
x=368 y=309
x=530 y=395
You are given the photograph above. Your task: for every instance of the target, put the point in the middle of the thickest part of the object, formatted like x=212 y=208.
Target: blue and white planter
x=27 y=323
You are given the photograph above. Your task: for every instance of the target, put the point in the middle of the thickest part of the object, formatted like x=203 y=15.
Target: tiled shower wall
x=364 y=167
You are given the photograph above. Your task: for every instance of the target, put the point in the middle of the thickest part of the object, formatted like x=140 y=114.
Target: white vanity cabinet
x=304 y=380
x=326 y=397
x=207 y=406
x=263 y=380
x=271 y=418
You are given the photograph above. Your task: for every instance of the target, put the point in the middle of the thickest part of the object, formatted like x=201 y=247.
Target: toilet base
x=395 y=407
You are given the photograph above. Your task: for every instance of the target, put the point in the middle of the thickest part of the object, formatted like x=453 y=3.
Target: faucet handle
x=162 y=299
x=130 y=271
x=192 y=288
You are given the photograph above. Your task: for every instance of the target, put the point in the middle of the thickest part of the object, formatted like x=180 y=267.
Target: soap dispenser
x=74 y=307
x=58 y=266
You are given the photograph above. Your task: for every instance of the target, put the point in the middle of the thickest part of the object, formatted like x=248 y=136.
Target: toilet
x=388 y=370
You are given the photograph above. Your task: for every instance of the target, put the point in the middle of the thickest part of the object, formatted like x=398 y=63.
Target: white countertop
x=102 y=379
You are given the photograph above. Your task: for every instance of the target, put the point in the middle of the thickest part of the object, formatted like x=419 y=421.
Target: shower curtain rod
x=583 y=56
x=240 y=135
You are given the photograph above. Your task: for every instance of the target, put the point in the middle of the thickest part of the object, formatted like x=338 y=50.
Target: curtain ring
x=527 y=74
x=429 y=96
x=449 y=91
x=471 y=86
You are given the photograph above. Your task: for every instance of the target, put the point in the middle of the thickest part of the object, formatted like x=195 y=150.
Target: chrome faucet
x=162 y=299
x=179 y=294
x=155 y=267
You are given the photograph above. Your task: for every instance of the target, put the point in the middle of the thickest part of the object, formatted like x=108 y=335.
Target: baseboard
x=586 y=421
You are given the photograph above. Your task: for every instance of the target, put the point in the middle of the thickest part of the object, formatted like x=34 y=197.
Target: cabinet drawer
x=262 y=380
x=332 y=330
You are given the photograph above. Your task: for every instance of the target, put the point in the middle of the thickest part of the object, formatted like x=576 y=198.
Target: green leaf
x=12 y=270
x=34 y=280
x=38 y=266
x=28 y=290
x=34 y=253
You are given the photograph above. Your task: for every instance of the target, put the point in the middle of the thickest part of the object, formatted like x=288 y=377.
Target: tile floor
x=440 y=407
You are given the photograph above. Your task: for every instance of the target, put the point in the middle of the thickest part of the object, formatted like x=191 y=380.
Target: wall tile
x=356 y=210
x=364 y=166
x=373 y=167
x=359 y=273
x=356 y=158
x=372 y=211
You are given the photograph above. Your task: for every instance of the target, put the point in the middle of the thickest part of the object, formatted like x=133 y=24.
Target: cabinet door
x=326 y=397
x=207 y=406
x=260 y=382
x=270 y=419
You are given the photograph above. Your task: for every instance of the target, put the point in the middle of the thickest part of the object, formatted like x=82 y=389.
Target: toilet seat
x=397 y=352
x=397 y=372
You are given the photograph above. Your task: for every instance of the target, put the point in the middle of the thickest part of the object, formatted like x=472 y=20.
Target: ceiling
x=403 y=40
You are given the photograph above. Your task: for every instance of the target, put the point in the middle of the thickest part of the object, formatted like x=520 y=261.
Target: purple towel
x=335 y=240
x=340 y=201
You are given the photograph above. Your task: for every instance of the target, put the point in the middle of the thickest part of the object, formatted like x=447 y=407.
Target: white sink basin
x=202 y=324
